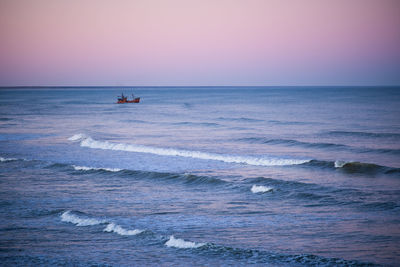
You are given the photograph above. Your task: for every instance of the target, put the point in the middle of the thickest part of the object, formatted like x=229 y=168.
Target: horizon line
x=179 y=86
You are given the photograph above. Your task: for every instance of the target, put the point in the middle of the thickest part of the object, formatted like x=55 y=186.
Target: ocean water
x=206 y=176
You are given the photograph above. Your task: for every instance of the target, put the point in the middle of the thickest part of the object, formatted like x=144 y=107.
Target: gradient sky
x=204 y=42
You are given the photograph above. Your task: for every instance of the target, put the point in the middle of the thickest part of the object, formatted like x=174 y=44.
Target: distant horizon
x=182 y=86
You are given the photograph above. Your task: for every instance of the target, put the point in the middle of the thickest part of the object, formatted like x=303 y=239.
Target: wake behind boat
x=124 y=99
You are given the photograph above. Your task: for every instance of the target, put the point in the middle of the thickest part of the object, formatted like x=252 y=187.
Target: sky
x=199 y=43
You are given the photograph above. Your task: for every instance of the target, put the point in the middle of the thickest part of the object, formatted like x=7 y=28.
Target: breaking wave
x=180 y=243
x=84 y=168
x=112 y=227
x=77 y=137
x=7 y=159
x=260 y=189
x=68 y=216
x=79 y=221
x=263 y=161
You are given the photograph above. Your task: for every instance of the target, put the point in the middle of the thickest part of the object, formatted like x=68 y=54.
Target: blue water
x=206 y=176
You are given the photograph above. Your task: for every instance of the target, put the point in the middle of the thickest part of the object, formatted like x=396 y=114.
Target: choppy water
x=200 y=176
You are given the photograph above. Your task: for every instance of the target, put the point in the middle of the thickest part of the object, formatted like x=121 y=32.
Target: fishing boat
x=124 y=99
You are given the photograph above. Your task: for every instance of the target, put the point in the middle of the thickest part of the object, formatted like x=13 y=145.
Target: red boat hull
x=136 y=100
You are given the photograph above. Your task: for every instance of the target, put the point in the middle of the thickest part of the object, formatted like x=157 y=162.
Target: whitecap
x=340 y=163
x=112 y=227
x=260 y=189
x=180 y=243
x=7 y=159
x=77 y=137
x=78 y=221
x=263 y=161
x=84 y=168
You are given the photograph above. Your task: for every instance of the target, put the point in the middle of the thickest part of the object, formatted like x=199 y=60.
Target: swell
x=353 y=167
x=302 y=193
x=254 y=256
x=185 y=177
x=364 y=134
x=86 y=141
x=205 y=124
x=5 y=119
x=312 y=195
x=241 y=119
x=318 y=145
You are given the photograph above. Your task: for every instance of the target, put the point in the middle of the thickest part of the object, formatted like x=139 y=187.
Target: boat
x=124 y=99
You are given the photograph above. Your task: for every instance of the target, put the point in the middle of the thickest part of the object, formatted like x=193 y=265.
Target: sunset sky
x=204 y=42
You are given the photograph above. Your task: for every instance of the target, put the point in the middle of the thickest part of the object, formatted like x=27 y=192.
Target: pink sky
x=204 y=42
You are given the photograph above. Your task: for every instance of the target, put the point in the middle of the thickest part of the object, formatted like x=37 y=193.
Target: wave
x=186 y=178
x=112 y=227
x=180 y=243
x=77 y=137
x=67 y=216
x=314 y=195
x=241 y=119
x=7 y=159
x=263 y=161
x=84 y=168
x=205 y=124
x=260 y=189
x=254 y=256
x=135 y=121
x=360 y=167
x=340 y=163
x=5 y=119
x=364 y=134
x=290 y=142
x=318 y=145
x=353 y=167
x=290 y=122
x=239 y=254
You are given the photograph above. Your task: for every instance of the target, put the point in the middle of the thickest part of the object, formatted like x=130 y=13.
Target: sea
x=200 y=176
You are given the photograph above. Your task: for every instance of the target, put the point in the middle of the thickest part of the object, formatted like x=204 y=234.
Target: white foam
x=112 y=227
x=340 y=163
x=7 y=159
x=84 y=168
x=72 y=218
x=91 y=143
x=77 y=137
x=260 y=189
x=180 y=243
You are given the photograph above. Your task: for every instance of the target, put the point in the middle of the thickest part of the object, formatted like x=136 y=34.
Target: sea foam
x=7 y=159
x=79 y=221
x=77 y=137
x=260 y=189
x=112 y=227
x=180 y=243
x=84 y=168
x=264 y=161
x=340 y=163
